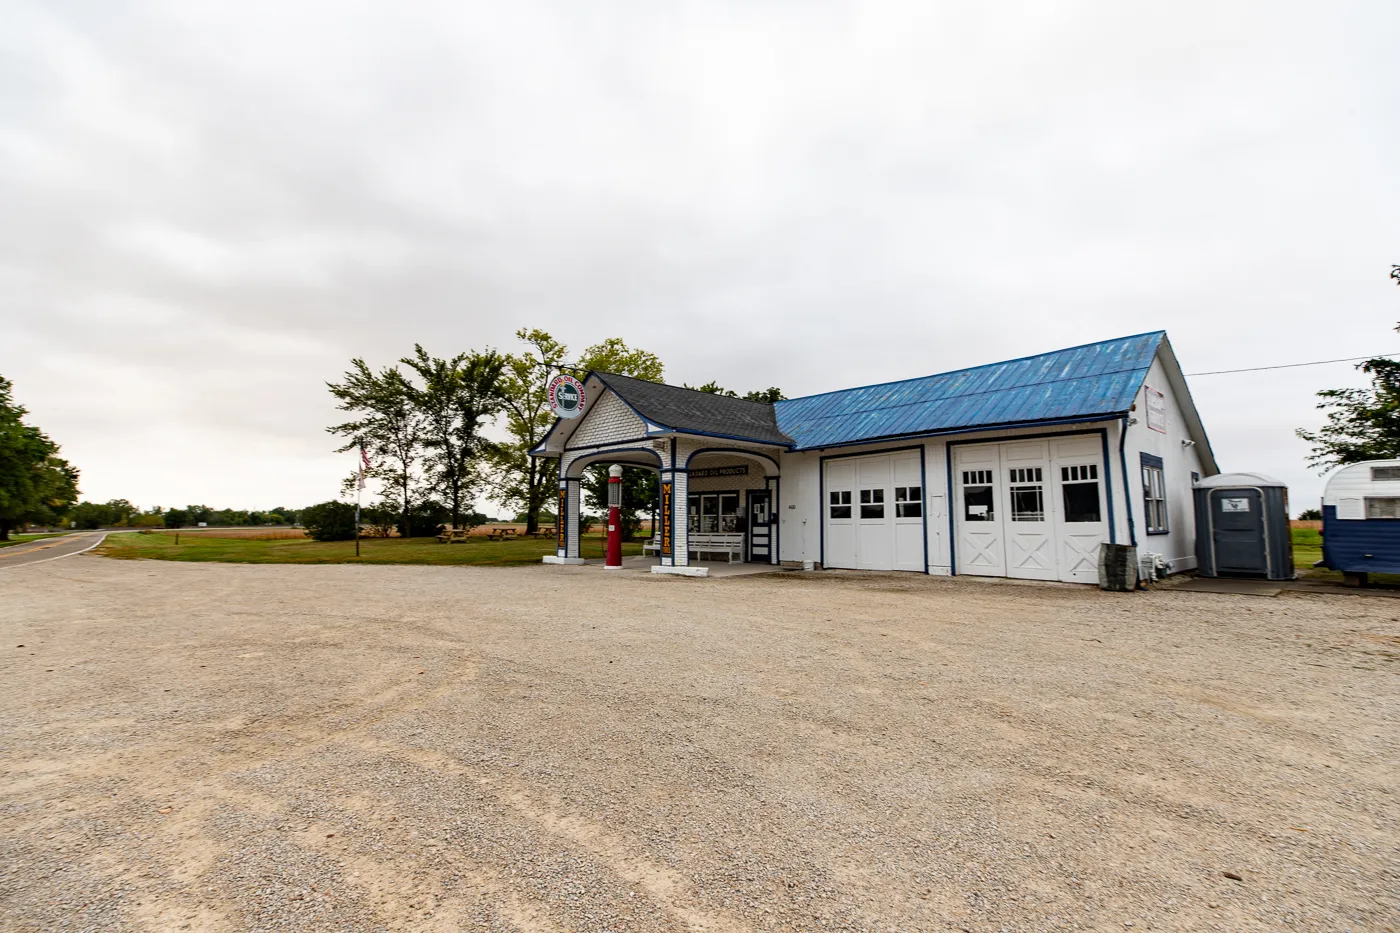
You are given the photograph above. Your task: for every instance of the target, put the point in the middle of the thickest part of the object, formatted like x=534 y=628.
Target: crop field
x=248 y=547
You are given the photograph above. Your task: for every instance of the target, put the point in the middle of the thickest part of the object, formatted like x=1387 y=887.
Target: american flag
x=364 y=464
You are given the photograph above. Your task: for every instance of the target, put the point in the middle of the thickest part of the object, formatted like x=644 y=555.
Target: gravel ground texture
x=336 y=748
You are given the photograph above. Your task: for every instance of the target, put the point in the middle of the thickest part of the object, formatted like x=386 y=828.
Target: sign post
x=614 y=558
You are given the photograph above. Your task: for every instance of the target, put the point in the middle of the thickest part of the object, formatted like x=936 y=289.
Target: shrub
x=329 y=521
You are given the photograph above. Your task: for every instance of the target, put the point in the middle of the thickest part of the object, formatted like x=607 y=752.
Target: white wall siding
x=799 y=512
x=1179 y=461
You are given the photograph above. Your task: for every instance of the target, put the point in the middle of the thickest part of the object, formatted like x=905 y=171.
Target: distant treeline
x=119 y=513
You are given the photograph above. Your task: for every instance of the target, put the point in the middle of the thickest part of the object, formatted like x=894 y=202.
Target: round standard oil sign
x=566 y=397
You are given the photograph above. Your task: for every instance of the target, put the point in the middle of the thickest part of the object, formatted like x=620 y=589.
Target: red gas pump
x=614 y=559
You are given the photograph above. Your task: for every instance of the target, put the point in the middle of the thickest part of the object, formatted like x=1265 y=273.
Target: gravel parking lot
x=252 y=747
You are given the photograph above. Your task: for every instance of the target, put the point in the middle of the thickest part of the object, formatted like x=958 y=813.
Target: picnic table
x=453 y=535
x=502 y=534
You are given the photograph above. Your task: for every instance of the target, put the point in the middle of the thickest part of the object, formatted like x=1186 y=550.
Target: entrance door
x=760 y=526
x=981 y=550
x=1081 y=514
x=1237 y=520
x=1030 y=531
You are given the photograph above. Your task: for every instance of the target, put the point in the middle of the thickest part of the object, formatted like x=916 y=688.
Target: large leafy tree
x=390 y=425
x=641 y=489
x=524 y=482
x=615 y=356
x=1364 y=423
x=454 y=397
x=36 y=484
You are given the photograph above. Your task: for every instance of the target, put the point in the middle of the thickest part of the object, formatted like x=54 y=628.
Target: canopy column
x=570 y=510
x=675 y=531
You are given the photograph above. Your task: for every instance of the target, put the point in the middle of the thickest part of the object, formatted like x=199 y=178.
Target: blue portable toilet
x=1361 y=520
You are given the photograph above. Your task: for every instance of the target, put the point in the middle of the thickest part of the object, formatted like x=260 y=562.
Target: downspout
x=1127 y=495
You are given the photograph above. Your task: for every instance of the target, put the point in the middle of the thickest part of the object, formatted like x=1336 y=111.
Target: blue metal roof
x=1092 y=381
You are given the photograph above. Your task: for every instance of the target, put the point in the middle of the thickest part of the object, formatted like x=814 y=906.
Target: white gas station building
x=1012 y=469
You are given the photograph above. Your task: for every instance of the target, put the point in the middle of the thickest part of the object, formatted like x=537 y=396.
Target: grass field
x=1307 y=548
x=25 y=539
x=240 y=549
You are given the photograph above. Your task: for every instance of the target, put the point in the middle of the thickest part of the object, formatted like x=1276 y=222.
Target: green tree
x=522 y=481
x=36 y=484
x=1362 y=423
x=615 y=356
x=176 y=518
x=387 y=421
x=330 y=521
x=641 y=489
x=770 y=395
x=455 y=396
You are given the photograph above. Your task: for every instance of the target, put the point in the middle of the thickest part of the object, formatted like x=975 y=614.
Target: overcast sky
x=208 y=208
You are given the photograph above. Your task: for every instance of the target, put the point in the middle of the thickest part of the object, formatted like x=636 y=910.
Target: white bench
x=717 y=543
x=653 y=545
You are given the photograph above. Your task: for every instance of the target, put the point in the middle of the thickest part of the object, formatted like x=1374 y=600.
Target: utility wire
x=1255 y=369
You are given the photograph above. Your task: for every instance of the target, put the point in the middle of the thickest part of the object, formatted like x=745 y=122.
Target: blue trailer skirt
x=1370 y=545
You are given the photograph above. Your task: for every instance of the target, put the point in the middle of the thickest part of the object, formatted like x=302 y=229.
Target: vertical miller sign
x=666 y=519
x=561 y=522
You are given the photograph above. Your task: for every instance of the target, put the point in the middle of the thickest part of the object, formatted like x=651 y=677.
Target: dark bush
x=329 y=521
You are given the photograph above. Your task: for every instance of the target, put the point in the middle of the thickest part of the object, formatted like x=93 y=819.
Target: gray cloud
x=209 y=208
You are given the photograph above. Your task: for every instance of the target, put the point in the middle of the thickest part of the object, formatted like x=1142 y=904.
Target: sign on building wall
x=720 y=471
x=1156 y=410
x=566 y=397
x=666 y=520
x=561 y=523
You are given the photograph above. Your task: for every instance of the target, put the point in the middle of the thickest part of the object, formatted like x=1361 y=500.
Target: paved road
x=18 y=555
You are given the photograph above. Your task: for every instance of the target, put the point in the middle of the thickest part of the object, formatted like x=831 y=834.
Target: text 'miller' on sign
x=666 y=519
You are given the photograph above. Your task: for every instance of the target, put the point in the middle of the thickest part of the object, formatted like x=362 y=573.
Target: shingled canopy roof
x=693 y=412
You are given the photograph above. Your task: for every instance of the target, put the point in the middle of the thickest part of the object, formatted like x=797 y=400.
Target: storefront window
x=712 y=512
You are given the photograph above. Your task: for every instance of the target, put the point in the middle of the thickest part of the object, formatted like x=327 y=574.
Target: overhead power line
x=1255 y=369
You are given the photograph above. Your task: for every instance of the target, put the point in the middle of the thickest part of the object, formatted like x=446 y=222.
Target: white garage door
x=874 y=513
x=1031 y=509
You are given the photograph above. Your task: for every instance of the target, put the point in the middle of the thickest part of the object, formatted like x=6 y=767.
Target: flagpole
x=359 y=494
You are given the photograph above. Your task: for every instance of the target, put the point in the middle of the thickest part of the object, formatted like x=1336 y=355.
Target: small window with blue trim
x=1154 y=495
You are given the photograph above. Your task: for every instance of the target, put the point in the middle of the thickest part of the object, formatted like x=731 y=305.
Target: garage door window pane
x=908 y=502
x=1081 y=502
x=872 y=503
x=977 y=504
x=841 y=503
x=1027 y=504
